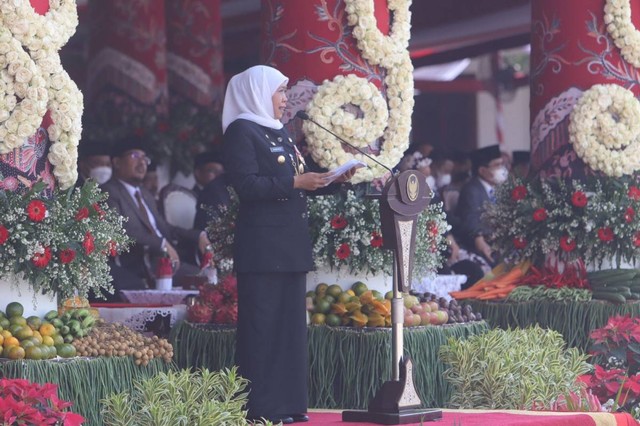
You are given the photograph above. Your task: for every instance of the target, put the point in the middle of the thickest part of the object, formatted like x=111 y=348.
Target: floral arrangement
x=391 y=53
x=31 y=70
x=617 y=17
x=616 y=376
x=345 y=230
x=221 y=231
x=216 y=303
x=23 y=402
x=605 y=129
x=60 y=245
x=596 y=220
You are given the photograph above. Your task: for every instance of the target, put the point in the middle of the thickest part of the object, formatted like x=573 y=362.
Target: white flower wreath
x=605 y=129
x=43 y=36
x=51 y=30
x=617 y=16
x=389 y=52
x=19 y=79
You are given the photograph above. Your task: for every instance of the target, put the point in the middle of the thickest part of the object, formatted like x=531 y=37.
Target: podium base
x=399 y=418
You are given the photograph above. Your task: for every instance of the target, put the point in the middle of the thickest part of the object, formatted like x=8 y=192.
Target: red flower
x=67 y=255
x=4 y=234
x=343 y=251
x=579 y=199
x=338 y=222
x=636 y=239
x=519 y=242
x=36 y=210
x=98 y=209
x=40 y=260
x=519 y=193
x=89 y=243
x=376 y=239
x=605 y=234
x=112 y=248
x=540 y=214
x=634 y=193
x=567 y=243
x=83 y=213
x=432 y=228
x=629 y=215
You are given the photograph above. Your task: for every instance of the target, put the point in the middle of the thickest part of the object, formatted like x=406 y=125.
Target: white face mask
x=500 y=175
x=431 y=181
x=443 y=180
x=101 y=174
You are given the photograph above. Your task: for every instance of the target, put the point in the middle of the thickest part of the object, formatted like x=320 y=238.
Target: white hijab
x=249 y=96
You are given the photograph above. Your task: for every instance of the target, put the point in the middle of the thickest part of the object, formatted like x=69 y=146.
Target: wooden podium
x=404 y=197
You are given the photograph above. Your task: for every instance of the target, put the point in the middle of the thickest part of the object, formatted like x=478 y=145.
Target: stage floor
x=494 y=418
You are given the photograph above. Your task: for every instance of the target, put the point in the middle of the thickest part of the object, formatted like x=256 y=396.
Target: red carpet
x=494 y=418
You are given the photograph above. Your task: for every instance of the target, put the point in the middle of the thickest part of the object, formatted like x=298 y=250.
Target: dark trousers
x=271 y=342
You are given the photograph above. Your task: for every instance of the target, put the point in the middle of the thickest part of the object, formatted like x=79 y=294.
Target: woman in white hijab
x=272 y=247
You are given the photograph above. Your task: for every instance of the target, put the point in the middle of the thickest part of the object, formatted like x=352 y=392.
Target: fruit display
x=72 y=323
x=114 y=339
x=30 y=338
x=361 y=307
x=615 y=285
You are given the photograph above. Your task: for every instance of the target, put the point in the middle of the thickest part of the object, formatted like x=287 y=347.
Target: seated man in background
x=520 y=164
x=94 y=162
x=152 y=235
x=489 y=171
x=206 y=167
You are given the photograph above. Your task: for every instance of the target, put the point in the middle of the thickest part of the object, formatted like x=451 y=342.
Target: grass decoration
x=346 y=365
x=520 y=369
x=84 y=381
x=574 y=320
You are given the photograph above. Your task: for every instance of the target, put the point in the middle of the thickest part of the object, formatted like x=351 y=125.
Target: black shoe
x=276 y=420
x=299 y=418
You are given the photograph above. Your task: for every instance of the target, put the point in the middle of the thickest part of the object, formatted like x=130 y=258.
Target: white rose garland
x=605 y=129
x=617 y=17
x=19 y=79
x=51 y=30
x=389 y=52
x=43 y=36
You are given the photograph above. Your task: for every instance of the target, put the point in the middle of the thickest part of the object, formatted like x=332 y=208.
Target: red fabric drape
x=570 y=52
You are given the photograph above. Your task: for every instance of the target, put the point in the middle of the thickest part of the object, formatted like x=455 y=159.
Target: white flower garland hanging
x=605 y=129
x=617 y=17
x=43 y=36
x=23 y=94
x=390 y=52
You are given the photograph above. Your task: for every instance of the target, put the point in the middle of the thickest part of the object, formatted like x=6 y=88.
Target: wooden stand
x=397 y=402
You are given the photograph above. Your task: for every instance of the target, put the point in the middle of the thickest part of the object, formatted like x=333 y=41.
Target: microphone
x=304 y=116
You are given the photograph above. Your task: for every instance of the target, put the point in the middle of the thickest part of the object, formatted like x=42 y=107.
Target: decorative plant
x=345 y=230
x=596 y=220
x=59 y=244
x=512 y=369
x=23 y=402
x=181 y=398
x=220 y=300
x=221 y=229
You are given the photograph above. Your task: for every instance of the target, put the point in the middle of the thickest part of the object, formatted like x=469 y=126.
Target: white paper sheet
x=340 y=170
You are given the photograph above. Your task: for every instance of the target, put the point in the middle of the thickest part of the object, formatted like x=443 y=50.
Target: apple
x=416 y=309
x=434 y=318
x=425 y=307
x=443 y=317
x=417 y=320
x=434 y=305
x=425 y=318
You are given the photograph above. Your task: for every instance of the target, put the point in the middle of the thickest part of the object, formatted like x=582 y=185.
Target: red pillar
x=127 y=74
x=196 y=77
x=571 y=51
x=310 y=41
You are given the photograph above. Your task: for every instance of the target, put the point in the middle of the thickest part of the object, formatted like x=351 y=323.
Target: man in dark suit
x=207 y=166
x=213 y=195
x=152 y=235
x=489 y=171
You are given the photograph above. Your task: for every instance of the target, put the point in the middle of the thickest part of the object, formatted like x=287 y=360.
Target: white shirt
x=132 y=192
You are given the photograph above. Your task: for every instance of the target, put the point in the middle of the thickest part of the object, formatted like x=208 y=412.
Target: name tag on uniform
x=276 y=149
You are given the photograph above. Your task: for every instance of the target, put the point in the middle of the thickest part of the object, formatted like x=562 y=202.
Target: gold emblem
x=300 y=168
x=281 y=159
x=413 y=187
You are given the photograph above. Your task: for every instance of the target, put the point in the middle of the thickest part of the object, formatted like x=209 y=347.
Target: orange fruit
x=15 y=352
x=33 y=352
x=1 y=339
x=47 y=340
x=318 y=319
x=321 y=289
x=20 y=320
x=334 y=290
x=47 y=330
x=5 y=333
x=11 y=341
x=23 y=333
x=37 y=336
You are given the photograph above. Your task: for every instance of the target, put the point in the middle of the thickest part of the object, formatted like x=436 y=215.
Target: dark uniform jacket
x=272 y=230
